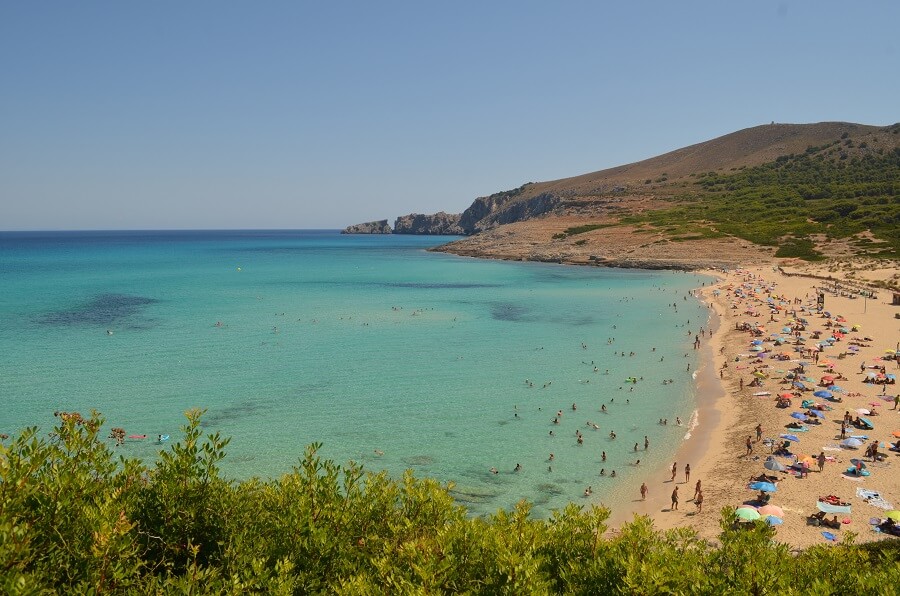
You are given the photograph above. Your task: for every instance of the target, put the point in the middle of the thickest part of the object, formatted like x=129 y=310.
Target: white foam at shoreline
x=693 y=423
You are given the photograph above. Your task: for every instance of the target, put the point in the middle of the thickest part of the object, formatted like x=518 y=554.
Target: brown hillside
x=603 y=197
x=748 y=147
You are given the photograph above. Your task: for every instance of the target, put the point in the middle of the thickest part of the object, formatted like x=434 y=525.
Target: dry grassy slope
x=748 y=147
x=624 y=246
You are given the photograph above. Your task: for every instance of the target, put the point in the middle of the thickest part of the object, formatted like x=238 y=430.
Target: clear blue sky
x=238 y=114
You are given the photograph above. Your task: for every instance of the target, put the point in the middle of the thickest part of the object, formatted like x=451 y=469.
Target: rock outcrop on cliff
x=371 y=227
x=438 y=224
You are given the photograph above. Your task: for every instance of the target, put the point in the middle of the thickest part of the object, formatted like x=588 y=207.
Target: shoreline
x=709 y=393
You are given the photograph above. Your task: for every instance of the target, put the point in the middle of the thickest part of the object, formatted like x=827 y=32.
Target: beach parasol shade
x=894 y=515
x=858 y=462
x=798 y=415
x=773 y=510
x=759 y=375
x=867 y=422
x=774 y=521
x=852 y=443
x=818 y=413
x=763 y=486
x=794 y=438
x=836 y=388
x=798 y=385
x=774 y=466
x=786 y=395
x=896 y=433
x=862 y=411
x=747 y=513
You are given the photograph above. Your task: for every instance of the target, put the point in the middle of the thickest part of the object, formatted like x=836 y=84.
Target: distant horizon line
x=138 y=230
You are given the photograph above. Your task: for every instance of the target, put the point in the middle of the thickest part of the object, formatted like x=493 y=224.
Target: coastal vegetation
x=795 y=202
x=75 y=518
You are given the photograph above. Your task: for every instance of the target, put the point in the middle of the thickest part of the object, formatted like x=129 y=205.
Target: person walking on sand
x=749 y=445
x=758 y=432
x=674 y=470
x=699 y=501
x=675 y=499
x=644 y=491
x=687 y=473
x=821 y=461
x=697 y=489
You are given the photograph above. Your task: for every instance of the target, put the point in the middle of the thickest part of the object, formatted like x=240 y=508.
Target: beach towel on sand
x=829 y=536
x=872 y=497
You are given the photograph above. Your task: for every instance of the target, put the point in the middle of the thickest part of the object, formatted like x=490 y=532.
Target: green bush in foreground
x=76 y=519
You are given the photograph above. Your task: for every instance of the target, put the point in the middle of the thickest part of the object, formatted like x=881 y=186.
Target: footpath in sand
x=771 y=341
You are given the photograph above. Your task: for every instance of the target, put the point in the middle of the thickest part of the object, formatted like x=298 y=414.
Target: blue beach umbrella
x=756 y=342
x=785 y=329
x=798 y=415
x=852 y=443
x=767 y=487
x=867 y=422
x=798 y=385
x=774 y=521
x=794 y=438
x=818 y=414
x=823 y=393
x=836 y=388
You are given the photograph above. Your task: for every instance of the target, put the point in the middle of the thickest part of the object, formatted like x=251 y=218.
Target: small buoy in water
x=238 y=268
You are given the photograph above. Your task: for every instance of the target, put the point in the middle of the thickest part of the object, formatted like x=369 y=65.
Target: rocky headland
x=372 y=227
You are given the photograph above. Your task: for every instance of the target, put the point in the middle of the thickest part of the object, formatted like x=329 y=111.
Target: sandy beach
x=737 y=387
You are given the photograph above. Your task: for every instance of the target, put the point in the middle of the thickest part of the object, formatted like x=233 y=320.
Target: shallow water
x=367 y=344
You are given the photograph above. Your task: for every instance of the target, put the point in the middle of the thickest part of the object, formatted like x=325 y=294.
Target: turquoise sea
x=388 y=355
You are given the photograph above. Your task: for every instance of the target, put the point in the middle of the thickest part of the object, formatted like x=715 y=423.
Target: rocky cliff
x=438 y=224
x=372 y=227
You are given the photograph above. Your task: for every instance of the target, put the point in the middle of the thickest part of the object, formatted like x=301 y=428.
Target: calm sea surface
x=387 y=354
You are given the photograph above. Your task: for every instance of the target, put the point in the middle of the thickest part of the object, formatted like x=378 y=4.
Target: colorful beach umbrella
x=773 y=510
x=858 y=462
x=862 y=411
x=748 y=513
x=852 y=443
x=894 y=515
x=774 y=521
x=774 y=466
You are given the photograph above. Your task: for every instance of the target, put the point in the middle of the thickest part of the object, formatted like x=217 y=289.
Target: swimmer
x=613 y=474
x=603 y=471
x=552 y=457
x=494 y=471
x=677 y=420
x=612 y=434
x=517 y=468
x=603 y=456
x=379 y=452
